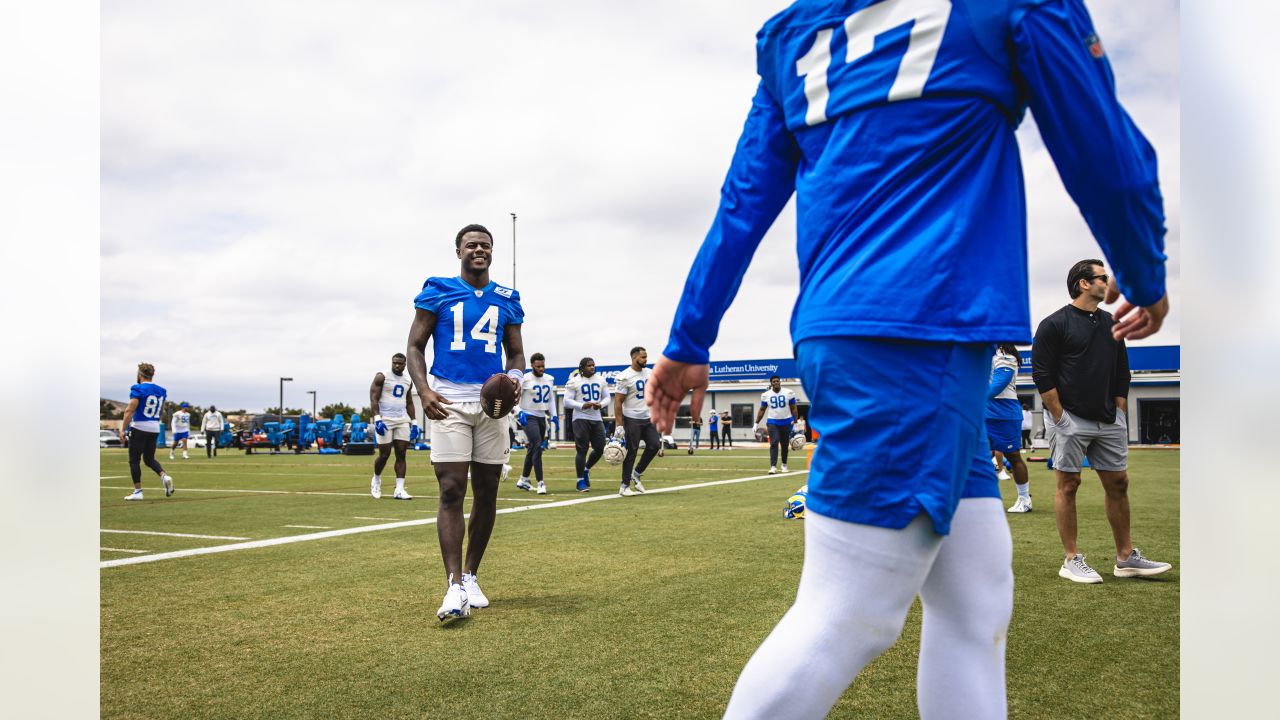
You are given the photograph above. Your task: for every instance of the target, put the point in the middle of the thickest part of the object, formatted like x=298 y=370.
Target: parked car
x=108 y=438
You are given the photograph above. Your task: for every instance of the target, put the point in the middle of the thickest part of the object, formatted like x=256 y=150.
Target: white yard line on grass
x=362 y=517
x=310 y=527
x=411 y=523
x=171 y=534
x=107 y=549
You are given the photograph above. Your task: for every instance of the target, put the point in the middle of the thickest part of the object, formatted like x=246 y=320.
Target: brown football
x=498 y=395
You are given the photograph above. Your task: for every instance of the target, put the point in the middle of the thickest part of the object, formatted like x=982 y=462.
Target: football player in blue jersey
x=892 y=122
x=142 y=423
x=472 y=322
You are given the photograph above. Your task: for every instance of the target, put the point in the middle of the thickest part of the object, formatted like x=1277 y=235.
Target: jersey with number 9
x=470 y=324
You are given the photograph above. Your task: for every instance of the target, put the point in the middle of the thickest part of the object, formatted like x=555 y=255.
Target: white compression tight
x=856 y=587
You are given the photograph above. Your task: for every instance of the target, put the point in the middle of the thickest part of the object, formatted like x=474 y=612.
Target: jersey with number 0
x=892 y=122
x=150 y=399
x=181 y=421
x=537 y=394
x=470 y=323
x=594 y=389
x=777 y=405
x=630 y=385
x=396 y=391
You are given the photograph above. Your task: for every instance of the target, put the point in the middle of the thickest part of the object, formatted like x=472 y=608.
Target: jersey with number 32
x=892 y=122
x=537 y=393
x=470 y=324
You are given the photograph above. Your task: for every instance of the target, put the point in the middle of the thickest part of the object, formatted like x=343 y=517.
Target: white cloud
x=279 y=178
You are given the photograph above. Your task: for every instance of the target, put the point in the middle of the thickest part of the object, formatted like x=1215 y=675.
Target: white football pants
x=856 y=587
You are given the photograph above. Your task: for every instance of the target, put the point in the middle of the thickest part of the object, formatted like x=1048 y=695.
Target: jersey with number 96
x=470 y=323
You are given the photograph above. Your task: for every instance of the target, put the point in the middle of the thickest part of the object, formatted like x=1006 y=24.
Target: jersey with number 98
x=469 y=327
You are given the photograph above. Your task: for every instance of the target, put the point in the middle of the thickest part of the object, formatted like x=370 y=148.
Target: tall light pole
x=280 y=416
x=513 y=250
x=312 y=393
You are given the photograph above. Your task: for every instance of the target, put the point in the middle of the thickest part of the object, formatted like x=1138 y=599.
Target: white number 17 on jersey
x=861 y=28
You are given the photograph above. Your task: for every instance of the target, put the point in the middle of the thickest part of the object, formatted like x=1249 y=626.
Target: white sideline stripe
x=257 y=492
x=362 y=517
x=107 y=549
x=167 y=534
x=113 y=477
x=310 y=527
x=407 y=523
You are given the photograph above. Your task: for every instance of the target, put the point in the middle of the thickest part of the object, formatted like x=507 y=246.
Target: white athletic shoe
x=402 y=495
x=135 y=495
x=1004 y=474
x=170 y=456
x=637 y=486
x=1138 y=566
x=784 y=467
x=455 y=605
x=523 y=484
x=168 y=485
x=773 y=470
x=475 y=595
x=185 y=456
x=1021 y=505
x=542 y=488
x=375 y=488
x=625 y=491
x=506 y=470
x=1075 y=569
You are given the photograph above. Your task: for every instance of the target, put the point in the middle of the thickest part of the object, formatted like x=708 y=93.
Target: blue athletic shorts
x=901 y=425
x=180 y=436
x=1005 y=435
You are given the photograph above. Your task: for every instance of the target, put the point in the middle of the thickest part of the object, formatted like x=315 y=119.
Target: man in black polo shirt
x=1082 y=373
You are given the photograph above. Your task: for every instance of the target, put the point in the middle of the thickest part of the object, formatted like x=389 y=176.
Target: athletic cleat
x=168 y=485
x=506 y=470
x=542 y=488
x=1004 y=475
x=1076 y=570
x=375 y=488
x=1137 y=566
x=135 y=495
x=583 y=485
x=1021 y=505
x=523 y=484
x=185 y=456
x=170 y=456
x=773 y=470
x=475 y=596
x=625 y=490
x=784 y=468
x=402 y=495
x=586 y=475
x=637 y=485
x=690 y=451
x=455 y=605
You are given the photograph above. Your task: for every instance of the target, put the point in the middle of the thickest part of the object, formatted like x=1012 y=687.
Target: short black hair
x=1010 y=349
x=473 y=227
x=774 y=377
x=583 y=362
x=536 y=357
x=399 y=355
x=635 y=350
x=1080 y=271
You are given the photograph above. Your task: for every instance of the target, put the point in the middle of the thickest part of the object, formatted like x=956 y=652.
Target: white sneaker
x=773 y=470
x=542 y=488
x=1021 y=505
x=637 y=486
x=475 y=595
x=455 y=605
x=135 y=495
x=625 y=491
x=506 y=470
x=523 y=484
x=170 y=456
x=402 y=495
x=375 y=488
x=1004 y=474
x=1075 y=569
x=185 y=456
x=784 y=467
x=168 y=485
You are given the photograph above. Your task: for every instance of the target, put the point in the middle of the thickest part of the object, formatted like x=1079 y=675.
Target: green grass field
x=643 y=607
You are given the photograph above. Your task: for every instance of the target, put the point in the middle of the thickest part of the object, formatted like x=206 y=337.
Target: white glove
x=620 y=432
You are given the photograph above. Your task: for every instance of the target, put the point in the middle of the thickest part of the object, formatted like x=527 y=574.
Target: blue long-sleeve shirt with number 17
x=892 y=122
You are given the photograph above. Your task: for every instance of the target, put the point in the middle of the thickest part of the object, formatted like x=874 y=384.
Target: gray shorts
x=1073 y=438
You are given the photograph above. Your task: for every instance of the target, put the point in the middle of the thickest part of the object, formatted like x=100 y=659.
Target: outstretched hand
x=1133 y=322
x=670 y=382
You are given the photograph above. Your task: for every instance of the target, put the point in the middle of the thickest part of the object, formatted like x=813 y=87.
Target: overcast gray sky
x=278 y=179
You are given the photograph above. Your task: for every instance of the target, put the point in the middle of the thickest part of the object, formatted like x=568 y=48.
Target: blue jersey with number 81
x=150 y=397
x=470 y=324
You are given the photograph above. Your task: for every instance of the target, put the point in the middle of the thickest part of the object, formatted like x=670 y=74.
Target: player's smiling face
x=539 y=367
x=775 y=384
x=476 y=251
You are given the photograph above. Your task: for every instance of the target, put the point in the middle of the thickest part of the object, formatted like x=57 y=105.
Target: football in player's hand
x=498 y=395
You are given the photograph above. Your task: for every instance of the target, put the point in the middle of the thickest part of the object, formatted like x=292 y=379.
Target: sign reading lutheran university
x=720 y=371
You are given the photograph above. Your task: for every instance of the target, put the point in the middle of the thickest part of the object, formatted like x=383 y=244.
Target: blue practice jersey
x=470 y=324
x=893 y=122
x=150 y=397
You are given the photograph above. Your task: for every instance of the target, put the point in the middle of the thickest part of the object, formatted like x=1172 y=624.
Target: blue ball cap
x=183 y=405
